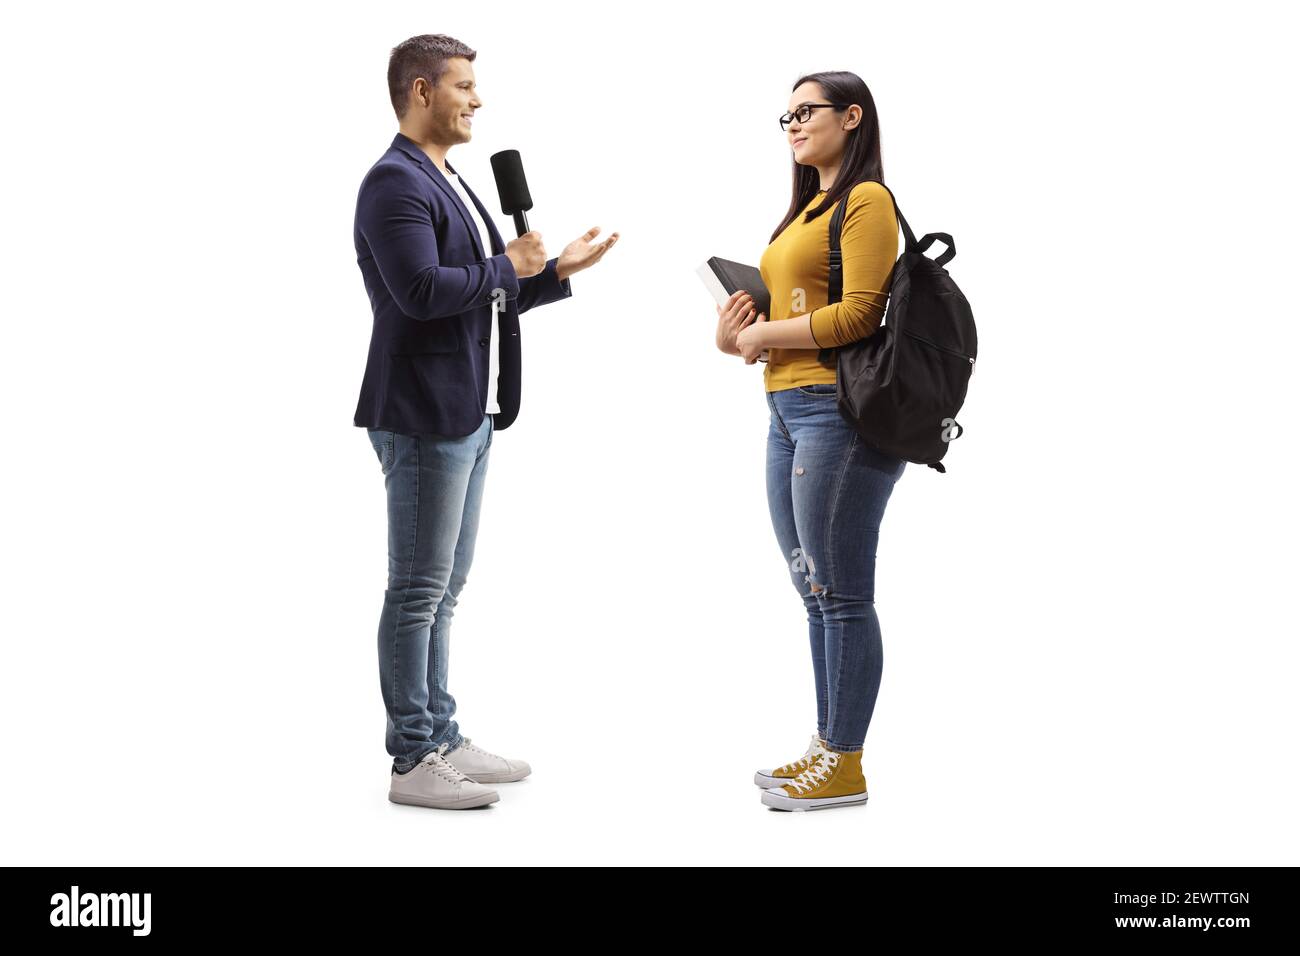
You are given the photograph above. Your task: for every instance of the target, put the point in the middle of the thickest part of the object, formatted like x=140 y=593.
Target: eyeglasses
x=804 y=113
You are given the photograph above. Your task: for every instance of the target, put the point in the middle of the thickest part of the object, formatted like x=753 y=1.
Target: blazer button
x=483 y=342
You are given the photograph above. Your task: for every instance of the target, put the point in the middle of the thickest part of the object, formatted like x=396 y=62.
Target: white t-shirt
x=494 y=360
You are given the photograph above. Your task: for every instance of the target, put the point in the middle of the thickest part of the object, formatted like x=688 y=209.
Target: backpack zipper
x=941 y=348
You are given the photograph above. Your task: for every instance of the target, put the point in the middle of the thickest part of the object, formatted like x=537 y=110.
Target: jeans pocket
x=820 y=389
x=383 y=443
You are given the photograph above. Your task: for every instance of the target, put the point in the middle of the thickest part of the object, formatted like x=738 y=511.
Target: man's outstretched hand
x=581 y=254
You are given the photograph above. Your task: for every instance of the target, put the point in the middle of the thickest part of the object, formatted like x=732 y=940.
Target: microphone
x=512 y=187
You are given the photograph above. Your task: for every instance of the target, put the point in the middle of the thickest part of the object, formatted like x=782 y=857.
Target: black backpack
x=902 y=386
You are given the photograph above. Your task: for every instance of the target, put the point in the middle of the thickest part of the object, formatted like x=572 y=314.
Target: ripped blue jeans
x=826 y=491
x=434 y=489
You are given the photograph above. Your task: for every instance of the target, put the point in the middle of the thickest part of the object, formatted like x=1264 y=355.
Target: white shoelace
x=435 y=762
x=465 y=744
x=817 y=774
x=807 y=759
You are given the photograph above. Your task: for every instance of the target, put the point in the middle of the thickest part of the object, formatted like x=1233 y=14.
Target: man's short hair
x=423 y=56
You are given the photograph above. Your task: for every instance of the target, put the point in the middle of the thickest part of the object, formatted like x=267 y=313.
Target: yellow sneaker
x=783 y=775
x=834 y=780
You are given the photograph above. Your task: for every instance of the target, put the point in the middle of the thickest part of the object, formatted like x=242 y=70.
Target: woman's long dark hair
x=861 y=160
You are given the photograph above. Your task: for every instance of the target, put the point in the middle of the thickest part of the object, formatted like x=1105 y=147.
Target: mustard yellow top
x=795 y=268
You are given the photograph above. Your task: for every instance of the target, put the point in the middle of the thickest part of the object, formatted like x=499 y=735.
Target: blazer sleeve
x=869 y=248
x=542 y=288
x=398 y=227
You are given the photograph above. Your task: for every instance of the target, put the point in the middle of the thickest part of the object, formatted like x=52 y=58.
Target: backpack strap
x=835 y=280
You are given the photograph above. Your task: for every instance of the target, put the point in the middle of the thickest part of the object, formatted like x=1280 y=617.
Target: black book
x=722 y=278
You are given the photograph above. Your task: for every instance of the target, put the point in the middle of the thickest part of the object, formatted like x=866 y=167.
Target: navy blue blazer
x=430 y=286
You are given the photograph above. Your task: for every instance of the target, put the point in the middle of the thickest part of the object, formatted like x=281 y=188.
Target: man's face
x=453 y=103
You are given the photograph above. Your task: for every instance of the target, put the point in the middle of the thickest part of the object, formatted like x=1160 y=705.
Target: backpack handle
x=928 y=240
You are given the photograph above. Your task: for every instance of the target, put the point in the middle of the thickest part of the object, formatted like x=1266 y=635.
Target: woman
x=826 y=488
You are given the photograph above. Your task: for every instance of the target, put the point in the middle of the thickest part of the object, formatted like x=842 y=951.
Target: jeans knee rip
x=812 y=569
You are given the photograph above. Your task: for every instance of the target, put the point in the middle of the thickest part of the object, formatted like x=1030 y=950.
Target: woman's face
x=819 y=141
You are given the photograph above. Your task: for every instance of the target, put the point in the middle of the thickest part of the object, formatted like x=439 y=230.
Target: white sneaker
x=483 y=767
x=434 y=782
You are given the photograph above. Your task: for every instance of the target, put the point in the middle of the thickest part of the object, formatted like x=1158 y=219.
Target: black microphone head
x=511 y=185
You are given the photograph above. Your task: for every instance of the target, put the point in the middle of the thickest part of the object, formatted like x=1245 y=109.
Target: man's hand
x=527 y=254
x=581 y=254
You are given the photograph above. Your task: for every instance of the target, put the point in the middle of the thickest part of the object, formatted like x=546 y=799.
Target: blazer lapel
x=498 y=244
x=408 y=146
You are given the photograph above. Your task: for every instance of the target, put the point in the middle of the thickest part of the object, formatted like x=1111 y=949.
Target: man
x=441 y=377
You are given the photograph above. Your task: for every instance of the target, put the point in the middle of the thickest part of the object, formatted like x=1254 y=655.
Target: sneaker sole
x=498 y=777
x=468 y=803
x=780 y=800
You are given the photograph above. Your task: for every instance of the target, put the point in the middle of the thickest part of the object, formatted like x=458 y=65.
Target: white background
x=1090 y=645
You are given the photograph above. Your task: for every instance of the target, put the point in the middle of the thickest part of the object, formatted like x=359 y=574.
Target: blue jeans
x=826 y=491
x=435 y=487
